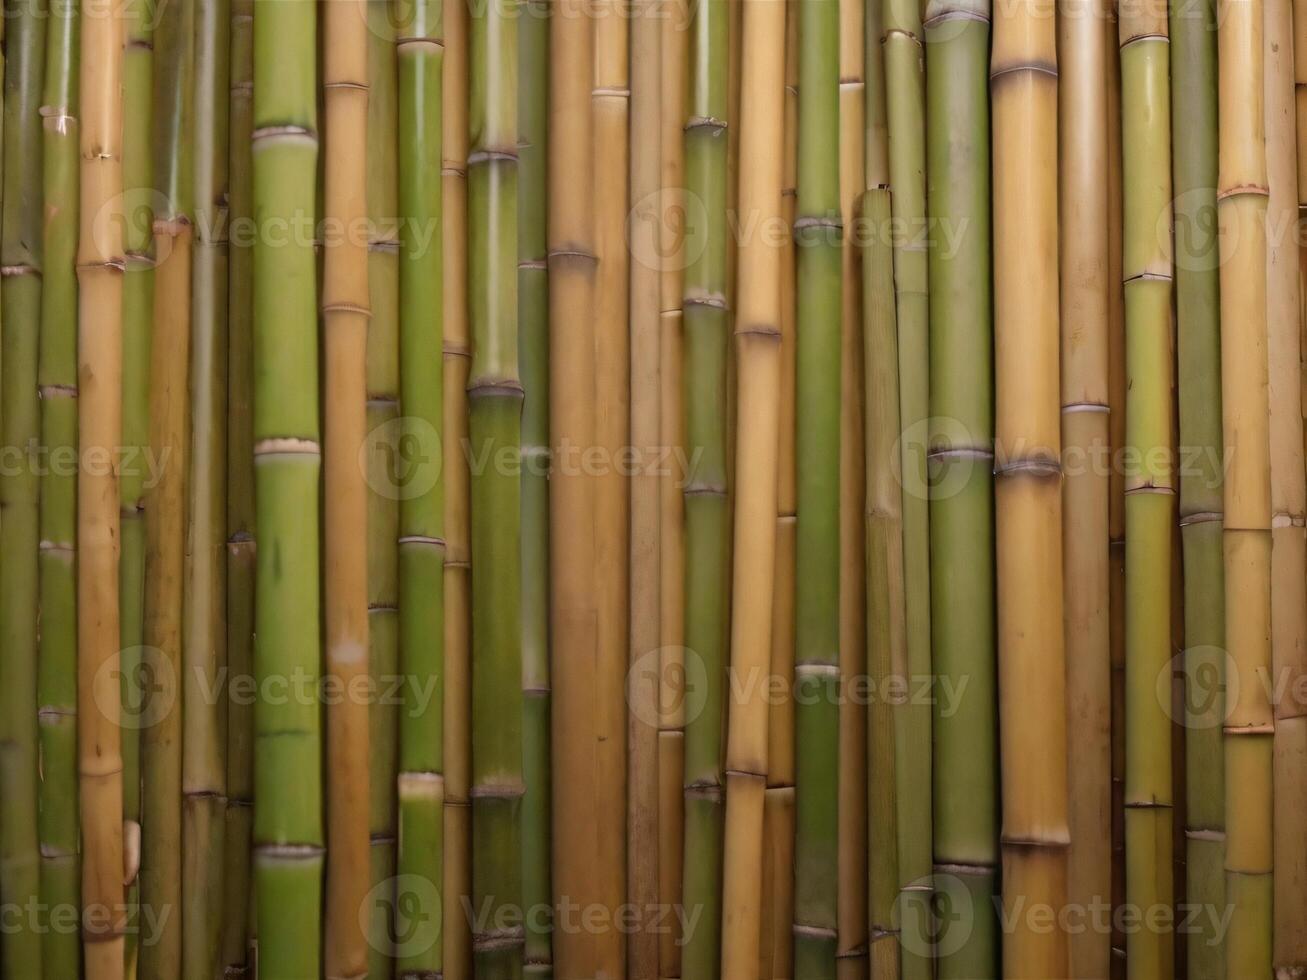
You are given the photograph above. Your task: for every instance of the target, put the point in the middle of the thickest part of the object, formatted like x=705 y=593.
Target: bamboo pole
x=642 y=852
x=817 y=676
x=961 y=468
x=57 y=377
x=1249 y=721
x=20 y=267
x=288 y=835
x=382 y=381
x=494 y=427
x=1193 y=99
x=346 y=312
x=165 y=504
x=610 y=105
x=241 y=556
x=671 y=545
x=1032 y=672
x=1150 y=482
x=204 y=627
x=1288 y=495
x=1085 y=423
x=758 y=352
x=457 y=358
x=422 y=547
x=138 y=323
x=707 y=506
x=99 y=327
x=573 y=602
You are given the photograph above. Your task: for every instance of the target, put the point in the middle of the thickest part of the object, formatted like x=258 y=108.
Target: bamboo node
x=56 y=391
x=507 y=938
x=1000 y=72
x=814 y=932
x=286 y=446
x=1202 y=517
x=705 y=122
x=1258 y=190
x=1150 y=36
x=19 y=269
x=287 y=132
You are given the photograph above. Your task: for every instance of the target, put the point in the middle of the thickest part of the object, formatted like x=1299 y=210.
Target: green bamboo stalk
x=288 y=831
x=961 y=471
x=138 y=322
x=906 y=107
x=494 y=429
x=533 y=347
x=20 y=310
x=240 y=499
x=161 y=737
x=707 y=509
x=421 y=520
x=383 y=504
x=1146 y=271
x=57 y=379
x=204 y=626
x=817 y=562
x=1198 y=354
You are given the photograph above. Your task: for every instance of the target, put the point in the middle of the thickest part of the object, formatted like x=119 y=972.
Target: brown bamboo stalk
x=1083 y=149
x=457 y=350
x=758 y=353
x=671 y=547
x=346 y=311
x=642 y=854
x=1288 y=496
x=610 y=105
x=99 y=274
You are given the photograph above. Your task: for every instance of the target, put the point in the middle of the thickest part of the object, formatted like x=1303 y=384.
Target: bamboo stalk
x=99 y=327
x=707 y=506
x=642 y=850
x=241 y=556
x=346 y=311
x=20 y=266
x=817 y=676
x=456 y=355
x=288 y=835
x=573 y=610
x=671 y=546
x=1193 y=99
x=60 y=869
x=1288 y=494
x=422 y=548
x=204 y=627
x=494 y=426
x=1032 y=673
x=1249 y=720
x=138 y=323
x=1085 y=422
x=165 y=504
x=610 y=105
x=961 y=471
x=1150 y=482
x=758 y=352
x=885 y=601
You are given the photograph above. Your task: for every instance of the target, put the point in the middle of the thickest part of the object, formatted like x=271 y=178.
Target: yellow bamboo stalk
x=1242 y=201
x=1032 y=671
x=99 y=275
x=758 y=354
x=1288 y=495
x=457 y=350
x=346 y=311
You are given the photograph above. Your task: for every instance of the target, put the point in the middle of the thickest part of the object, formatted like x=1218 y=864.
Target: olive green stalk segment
x=817 y=448
x=240 y=550
x=288 y=831
x=494 y=427
x=1198 y=362
x=20 y=310
x=204 y=622
x=707 y=511
x=419 y=53
x=533 y=349
x=961 y=474
x=383 y=446
x=56 y=682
